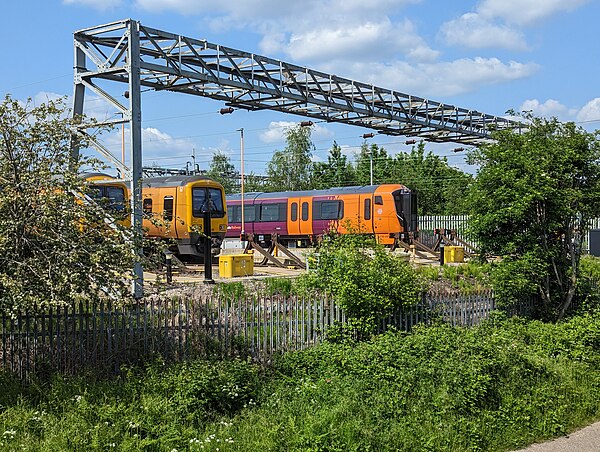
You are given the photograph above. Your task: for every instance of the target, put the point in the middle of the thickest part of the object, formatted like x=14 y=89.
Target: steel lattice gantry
x=178 y=63
x=129 y=52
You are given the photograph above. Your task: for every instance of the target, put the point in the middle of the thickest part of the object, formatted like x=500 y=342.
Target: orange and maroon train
x=298 y=218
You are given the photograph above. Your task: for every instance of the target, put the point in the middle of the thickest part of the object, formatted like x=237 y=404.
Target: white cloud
x=277 y=130
x=442 y=78
x=366 y=41
x=471 y=30
x=524 y=12
x=590 y=111
x=547 y=109
x=97 y=4
x=313 y=29
x=160 y=143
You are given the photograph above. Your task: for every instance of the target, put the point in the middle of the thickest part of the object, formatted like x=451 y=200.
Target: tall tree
x=381 y=165
x=441 y=189
x=291 y=169
x=336 y=172
x=53 y=249
x=532 y=202
x=222 y=170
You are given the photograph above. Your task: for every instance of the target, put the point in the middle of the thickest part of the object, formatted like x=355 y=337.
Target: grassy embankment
x=495 y=387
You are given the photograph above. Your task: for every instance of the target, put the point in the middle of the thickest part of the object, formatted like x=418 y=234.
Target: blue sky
x=488 y=55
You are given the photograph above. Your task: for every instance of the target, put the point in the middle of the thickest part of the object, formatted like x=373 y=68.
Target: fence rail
x=104 y=337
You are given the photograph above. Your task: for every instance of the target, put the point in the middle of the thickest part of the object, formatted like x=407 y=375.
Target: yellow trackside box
x=232 y=265
x=454 y=254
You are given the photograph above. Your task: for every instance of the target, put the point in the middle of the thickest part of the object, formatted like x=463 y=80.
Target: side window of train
x=234 y=214
x=272 y=212
x=304 y=211
x=147 y=206
x=367 y=215
x=249 y=212
x=294 y=213
x=328 y=210
x=378 y=200
x=168 y=208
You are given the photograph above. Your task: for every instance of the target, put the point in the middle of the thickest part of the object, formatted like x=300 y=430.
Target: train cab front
x=207 y=202
x=405 y=203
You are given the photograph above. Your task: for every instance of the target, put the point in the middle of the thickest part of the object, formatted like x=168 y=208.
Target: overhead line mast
x=128 y=52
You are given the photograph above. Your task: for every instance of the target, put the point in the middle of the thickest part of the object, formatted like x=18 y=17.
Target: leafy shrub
x=365 y=279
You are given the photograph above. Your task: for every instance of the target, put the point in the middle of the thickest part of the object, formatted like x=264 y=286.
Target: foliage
x=291 y=168
x=470 y=277
x=365 y=279
x=278 y=286
x=235 y=290
x=588 y=288
x=500 y=386
x=53 y=249
x=336 y=172
x=381 y=165
x=441 y=188
x=222 y=170
x=531 y=202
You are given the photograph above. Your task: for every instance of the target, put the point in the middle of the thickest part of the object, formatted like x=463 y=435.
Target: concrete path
x=585 y=440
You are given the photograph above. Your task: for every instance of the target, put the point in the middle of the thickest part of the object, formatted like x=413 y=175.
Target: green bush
x=365 y=279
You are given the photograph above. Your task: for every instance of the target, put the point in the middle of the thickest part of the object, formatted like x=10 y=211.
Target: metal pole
x=371 y=154
x=243 y=231
x=169 y=262
x=135 y=146
x=208 y=279
x=123 y=140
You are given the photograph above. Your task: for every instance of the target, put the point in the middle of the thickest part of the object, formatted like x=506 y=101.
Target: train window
x=235 y=214
x=367 y=215
x=207 y=199
x=95 y=193
x=270 y=212
x=328 y=210
x=249 y=212
x=379 y=200
x=294 y=213
x=147 y=206
x=116 y=196
x=304 y=211
x=168 y=208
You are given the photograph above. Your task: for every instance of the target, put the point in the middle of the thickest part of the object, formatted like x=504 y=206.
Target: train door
x=365 y=208
x=305 y=214
x=182 y=215
x=166 y=204
x=294 y=208
x=380 y=222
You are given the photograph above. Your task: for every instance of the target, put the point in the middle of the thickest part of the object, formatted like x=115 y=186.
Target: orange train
x=388 y=211
x=173 y=208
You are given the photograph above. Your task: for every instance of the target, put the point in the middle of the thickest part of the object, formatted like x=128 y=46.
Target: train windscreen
x=406 y=208
x=204 y=199
x=111 y=197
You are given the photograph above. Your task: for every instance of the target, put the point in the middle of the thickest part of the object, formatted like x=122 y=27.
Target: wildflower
x=10 y=434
